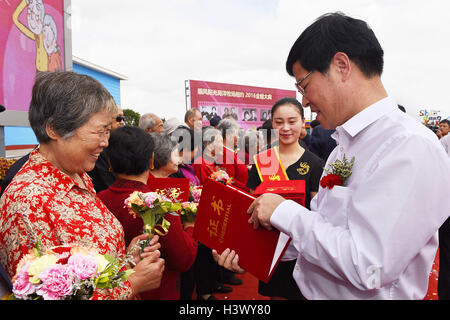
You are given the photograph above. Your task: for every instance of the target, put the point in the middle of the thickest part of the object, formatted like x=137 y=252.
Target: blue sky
x=159 y=44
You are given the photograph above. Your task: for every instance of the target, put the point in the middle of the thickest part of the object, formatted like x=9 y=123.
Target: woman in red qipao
x=130 y=152
x=52 y=197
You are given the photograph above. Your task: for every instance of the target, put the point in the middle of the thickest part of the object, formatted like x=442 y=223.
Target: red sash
x=269 y=166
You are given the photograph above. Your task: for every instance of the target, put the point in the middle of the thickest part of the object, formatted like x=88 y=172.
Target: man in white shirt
x=376 y=236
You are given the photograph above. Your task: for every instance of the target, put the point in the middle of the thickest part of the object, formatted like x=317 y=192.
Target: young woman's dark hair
x=288 y=100
x=332 y=33
x=130 y=150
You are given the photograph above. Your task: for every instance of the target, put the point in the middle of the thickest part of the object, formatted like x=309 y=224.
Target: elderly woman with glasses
x=52 y=197
x=102 y=175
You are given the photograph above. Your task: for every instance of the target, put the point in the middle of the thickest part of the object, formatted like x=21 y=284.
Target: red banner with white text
x=250 y=106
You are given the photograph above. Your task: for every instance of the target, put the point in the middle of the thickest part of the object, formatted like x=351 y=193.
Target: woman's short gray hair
x=164 y=147
x=147 y=121
x=65 y=101
x=229 y=128
x=208 y=136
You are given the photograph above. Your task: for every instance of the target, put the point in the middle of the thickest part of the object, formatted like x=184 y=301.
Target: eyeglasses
x=299 y=87
x=120 y=118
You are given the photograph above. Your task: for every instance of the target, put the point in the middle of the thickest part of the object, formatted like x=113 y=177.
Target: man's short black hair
x=332 y=33
x=130 y=150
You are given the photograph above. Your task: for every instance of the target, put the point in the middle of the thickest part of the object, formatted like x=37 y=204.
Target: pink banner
x=31 y=40
x=250 y=106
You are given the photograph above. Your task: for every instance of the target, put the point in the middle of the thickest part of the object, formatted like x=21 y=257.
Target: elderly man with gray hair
x=193 y=119
x=150 y=122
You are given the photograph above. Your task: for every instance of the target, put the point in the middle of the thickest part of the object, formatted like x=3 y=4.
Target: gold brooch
x=303 y=168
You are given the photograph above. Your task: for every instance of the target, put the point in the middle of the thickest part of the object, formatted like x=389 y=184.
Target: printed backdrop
x=250 y=106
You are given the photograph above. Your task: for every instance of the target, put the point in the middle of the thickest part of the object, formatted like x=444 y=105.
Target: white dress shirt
x=445 y=141
x=377 y=236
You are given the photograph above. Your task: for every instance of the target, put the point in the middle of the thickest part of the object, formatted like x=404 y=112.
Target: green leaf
x=126 y=274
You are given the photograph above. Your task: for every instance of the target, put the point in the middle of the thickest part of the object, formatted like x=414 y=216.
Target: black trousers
x=204 y=274
x=444 y=261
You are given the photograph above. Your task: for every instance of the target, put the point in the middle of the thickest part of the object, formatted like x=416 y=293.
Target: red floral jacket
x=43 y=201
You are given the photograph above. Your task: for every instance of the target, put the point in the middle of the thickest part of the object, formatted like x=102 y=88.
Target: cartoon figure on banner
x=50 y=36
x=41 y=29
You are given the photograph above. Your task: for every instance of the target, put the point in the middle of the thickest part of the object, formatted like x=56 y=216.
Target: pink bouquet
x=152 y=207
x=66 y=273
x=222 y=177
x=195 y=192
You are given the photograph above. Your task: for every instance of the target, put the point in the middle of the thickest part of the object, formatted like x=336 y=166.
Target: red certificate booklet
x=288 y=189
x=222 y=222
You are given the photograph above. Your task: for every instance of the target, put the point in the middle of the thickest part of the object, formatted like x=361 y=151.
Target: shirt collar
x=54 y=175
x=366 y=117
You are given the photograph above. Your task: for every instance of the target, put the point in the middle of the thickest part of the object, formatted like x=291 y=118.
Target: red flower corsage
x=338 y=172
x=331 y=180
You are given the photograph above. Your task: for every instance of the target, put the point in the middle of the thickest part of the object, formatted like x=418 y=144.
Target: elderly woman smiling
x=53 y=198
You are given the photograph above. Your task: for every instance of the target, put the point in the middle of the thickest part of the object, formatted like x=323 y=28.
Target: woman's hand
x=147 y=274
x=134 y=249
x=188 y=224
x=229 y=260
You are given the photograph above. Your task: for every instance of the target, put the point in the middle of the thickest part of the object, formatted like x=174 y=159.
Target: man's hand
x=262 y=209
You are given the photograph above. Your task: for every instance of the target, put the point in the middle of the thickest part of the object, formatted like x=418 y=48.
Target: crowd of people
x=88 y=160
x=72 y=187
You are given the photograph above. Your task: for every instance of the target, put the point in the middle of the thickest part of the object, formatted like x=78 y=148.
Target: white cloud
x=160 y=44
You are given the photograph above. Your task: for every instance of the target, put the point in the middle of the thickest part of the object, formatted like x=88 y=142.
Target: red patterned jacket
x=43 y=201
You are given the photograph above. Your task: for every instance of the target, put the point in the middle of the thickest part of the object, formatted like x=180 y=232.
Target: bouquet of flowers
x=222 y=177
x=195 y=192
x=66 y=273
x=188 y=211
x=152 y=207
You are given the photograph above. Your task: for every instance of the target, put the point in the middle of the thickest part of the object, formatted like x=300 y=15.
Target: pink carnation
x=83 y=266
x=150 y=198
x=196 y=193
x=22 y=286
x=57 y=281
